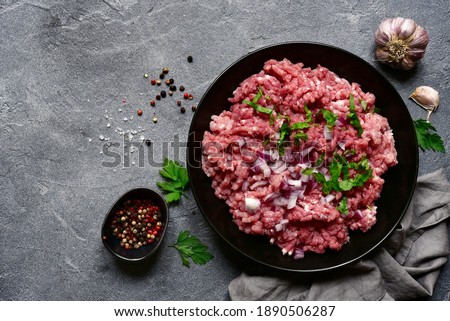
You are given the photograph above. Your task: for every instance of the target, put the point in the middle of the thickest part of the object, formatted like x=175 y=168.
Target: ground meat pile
x=299 y=157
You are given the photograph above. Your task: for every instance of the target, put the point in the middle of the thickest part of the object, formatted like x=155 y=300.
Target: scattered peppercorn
x=148 y=142
x=190 y=97
x=161 y=76
x=190 y=59
x=139 y=112
x=152 y=102
x=170 y=93
x=155 y=120
x=194 y=108
x=153 y=82
x=173 y=87
x=158 y=97
x=179 y=102
x=158 y=82
x=186 y=96
x=183 y=110
x=163 y=94
x=168 y=82
x=165 y=70
x=171 y=81
x=181 y=88
x=145 y=75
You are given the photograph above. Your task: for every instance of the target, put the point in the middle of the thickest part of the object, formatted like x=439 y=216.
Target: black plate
x=399 y=180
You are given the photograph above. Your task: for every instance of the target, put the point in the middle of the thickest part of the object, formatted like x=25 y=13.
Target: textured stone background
x=66 y=65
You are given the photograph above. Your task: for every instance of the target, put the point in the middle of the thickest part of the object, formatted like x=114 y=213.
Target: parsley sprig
x=254 y=103
x=296 y=128
x=190 y=247
x=329 y=117
x=340 y=180
x=353 y=116
x=427 y=138
x=177 y=177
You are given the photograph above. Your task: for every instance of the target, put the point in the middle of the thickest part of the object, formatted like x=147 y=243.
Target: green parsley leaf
x=299 y=136
x=190 y=247
x=308 y=171
x=343 y=206
x=257 y=107
x=178 y=180
x=426 y=138
x=299 y=125
x=353 y=116
x=308 y=113
x=285 y=132
x=254 y=103
x=363 y=104
x=329 y=116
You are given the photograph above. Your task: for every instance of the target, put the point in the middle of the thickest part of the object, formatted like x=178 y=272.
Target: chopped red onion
x=323 y=170
x=341 y=145
x=296 y=183
x=358 y=214
x=284 y=186
x=341 y=121
x=270 y=197
x=327 y=133
x=304 y=178
x=265 y=169
x=329 y=198
x=280 y=169
x=264 y=155
x=258 y=184
x=306 y=151
x=292 y=200
x=245 y=186
x=281 y=225
x=280 y=201
x=241 y=142
x=298 y=254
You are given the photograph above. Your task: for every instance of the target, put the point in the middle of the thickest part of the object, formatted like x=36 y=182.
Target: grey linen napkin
x=406 y=267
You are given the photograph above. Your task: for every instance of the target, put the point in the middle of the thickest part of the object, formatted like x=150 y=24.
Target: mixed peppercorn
x=172 y=88
x=137 y=223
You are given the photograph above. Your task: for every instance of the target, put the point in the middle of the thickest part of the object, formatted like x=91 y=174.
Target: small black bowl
x=112 y=243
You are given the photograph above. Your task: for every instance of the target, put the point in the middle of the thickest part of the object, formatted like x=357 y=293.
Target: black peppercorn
x=183 y=110
x=173 y=87
x=148 y=142
x=163 y=94
x=190 y=59
x=161 y=76
x=181 y=88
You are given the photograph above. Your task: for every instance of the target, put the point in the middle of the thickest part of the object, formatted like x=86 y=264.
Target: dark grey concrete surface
x=67 y=67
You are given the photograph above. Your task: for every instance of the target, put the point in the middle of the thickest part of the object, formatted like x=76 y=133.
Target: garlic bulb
x=427 y=98
x=401 y=42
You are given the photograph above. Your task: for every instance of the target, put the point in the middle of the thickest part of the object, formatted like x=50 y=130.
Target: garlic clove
x=427 y=98
x=405 y=28
x=420 y=38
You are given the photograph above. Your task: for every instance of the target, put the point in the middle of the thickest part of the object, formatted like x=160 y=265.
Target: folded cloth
x=405 y=267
